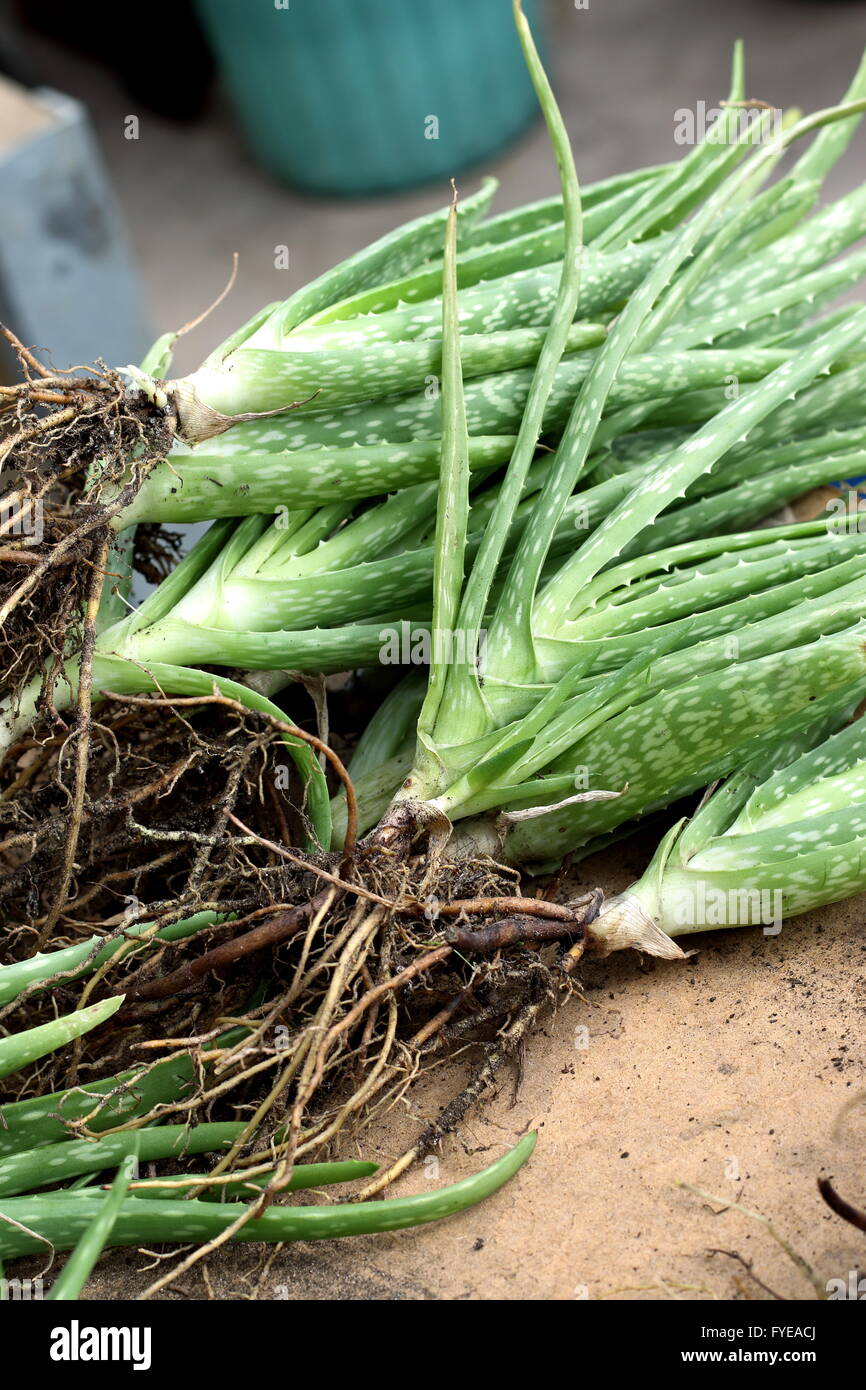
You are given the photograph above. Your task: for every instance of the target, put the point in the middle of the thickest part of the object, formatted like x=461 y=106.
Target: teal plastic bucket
x=366 y=96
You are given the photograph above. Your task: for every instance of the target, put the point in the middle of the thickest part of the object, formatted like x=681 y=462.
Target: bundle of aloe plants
x=523 y=456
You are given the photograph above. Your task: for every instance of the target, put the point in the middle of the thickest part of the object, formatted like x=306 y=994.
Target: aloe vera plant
x=513 y=736
x=784 y=834
x=714 y=277
x=314 y=588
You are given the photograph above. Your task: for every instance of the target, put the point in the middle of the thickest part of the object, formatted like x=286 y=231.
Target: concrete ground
x=730 y=1072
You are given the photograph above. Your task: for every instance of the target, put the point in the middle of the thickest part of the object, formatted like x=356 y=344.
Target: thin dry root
x=509 y=1042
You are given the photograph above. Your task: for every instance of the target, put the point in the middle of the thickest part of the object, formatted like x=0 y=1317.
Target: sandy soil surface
x=730 y=1072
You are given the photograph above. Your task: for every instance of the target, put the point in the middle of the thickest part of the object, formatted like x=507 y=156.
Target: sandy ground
x=729 y=1072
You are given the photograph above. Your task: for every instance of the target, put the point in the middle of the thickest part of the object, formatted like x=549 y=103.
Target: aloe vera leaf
x=200 y=487
x=491 y=261
x=322 y=649
x=788 y=844
x=790 y=775
x=391 y=256
x=18 y=1050
x=145 y=1222
x=827 y=811
x=741 y=505
x=538 y=247
x=55 y=1163
x=723 y=805
x=704 y=592
x=801 y=251
x=687 y=463
x=535 y=247
x=803 y=290
x=82 y=959
x=831 y=142
x=406 y=576
x=304 y=1176
x=253 y=603
x=512 y=629
x=566 y=720
x=93 y=1238
x=522 y=299
x=462 y=704
x=267 y=378
x=758 y=216
x=687 y=179
x=191 y=567
x=392 y=725
x=28 y=1124
x=837 y=398
x=699 y=728
x=781 y=889
x=104 y=1104
x=521 y=220
x=574 y=448
x=452 y=513
x=494 y=404
x=378 y=530
x=681 y=894
x=752 y=625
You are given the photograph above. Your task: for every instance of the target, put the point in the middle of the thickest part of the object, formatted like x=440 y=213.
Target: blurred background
x=141 y=147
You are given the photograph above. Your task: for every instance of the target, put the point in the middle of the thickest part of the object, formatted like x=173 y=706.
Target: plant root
x=848 y=1212
x=346 y=977
x=75 y=447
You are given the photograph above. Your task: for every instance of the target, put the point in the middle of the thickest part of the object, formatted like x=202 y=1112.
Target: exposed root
x=75 y=447
x=325 y=986
x=281 y=726
x=484 y=1077
x=82 y=749
x=855 y=1216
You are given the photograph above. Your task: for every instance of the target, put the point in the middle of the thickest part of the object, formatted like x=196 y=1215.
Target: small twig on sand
x=802 y=1265
x=747 y=1266
x=853 y=1215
